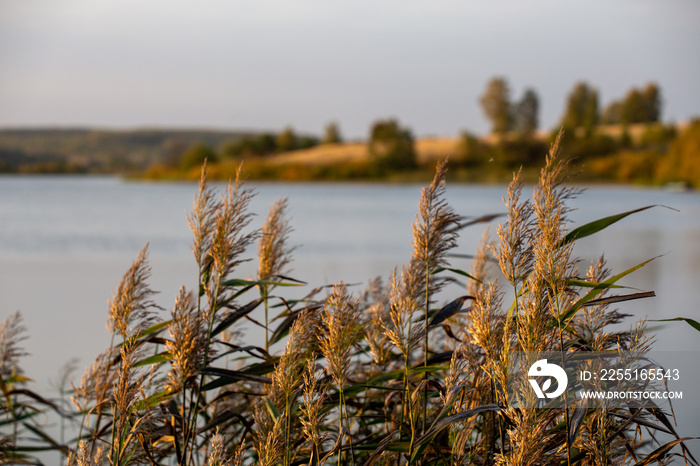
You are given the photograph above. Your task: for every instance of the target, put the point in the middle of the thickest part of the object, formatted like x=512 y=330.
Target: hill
x=99 y=150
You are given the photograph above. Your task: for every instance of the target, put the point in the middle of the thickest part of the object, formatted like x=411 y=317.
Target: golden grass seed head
x=131 y=307
x=514 y=252
x=12 y=332
x=187 y=342
x=229 y=241
x=435 y=228
x=217 y=455
x=274 y=251
x=201 y=220
x=287 y=377
x=341 y=326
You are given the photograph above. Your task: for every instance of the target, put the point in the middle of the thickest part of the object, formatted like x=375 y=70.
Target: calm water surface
x=66 y=241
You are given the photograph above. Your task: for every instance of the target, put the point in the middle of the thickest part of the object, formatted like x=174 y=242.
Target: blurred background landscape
x=99 y=98
x=378 y=90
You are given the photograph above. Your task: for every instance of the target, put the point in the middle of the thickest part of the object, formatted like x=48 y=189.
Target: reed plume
x=218 y=456
x=274 y=253
x=376 y=305
x=128 y=424
x=229 y=240
x=287 y=378
x=434 y=234
x=186 y=344
x=552 y=256
x=201 y=222
x=312 y=422
x=592 y=323
x=341 y=327
x=82 y=456
x=514 y=251
x=268 y=438
x=131 y=308
x=11 y=334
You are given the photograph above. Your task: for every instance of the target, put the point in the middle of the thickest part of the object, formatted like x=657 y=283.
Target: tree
x=286 y=140
x=612 y=113
x=196 y=155
x=392 y=146
x=332 y=134
x=638 y=106
x=525 y=114
x=633 y=108
x=495 y=102
x=652 y=98
x=581 y=108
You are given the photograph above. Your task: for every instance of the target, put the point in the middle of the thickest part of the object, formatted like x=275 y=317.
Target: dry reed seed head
x=591 y=322
x=552 y=260
x=435 y=228
x=532 y=324
x=187 y=342
x=455 y=374
x=376 y=304
x=639 y=344
x=314 y=395
x=529 y=438
x=218 y=456
x=131 y=307
x=514 y=252
x=274 y=252
x=130 y=380
x=81 y=456
x=201 y=221
x=488 y=320
x=402 y=307
x=267 y=438
x=96 y=384
x=341 y=328
x=229 y=240
x=288 y=375
x=239 y=455
x=12 y=332
x=480 y=265
x=596 y=444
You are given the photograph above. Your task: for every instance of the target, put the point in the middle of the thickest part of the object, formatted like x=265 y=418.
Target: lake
x=66 y=241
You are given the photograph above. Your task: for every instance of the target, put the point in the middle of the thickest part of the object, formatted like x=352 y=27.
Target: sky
x=269 y=64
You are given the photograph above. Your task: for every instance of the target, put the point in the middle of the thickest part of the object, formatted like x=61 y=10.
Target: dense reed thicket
x=387 y=375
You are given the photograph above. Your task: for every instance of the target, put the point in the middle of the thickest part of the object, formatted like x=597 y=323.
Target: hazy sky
x=265 y=64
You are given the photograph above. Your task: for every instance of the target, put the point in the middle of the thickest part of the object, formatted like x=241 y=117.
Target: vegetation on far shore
x=392 y=375
x=625 y=141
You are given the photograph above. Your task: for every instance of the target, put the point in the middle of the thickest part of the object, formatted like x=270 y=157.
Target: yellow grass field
x=329 y=154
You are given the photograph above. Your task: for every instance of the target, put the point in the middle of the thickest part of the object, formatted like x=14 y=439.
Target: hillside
x=99 y=150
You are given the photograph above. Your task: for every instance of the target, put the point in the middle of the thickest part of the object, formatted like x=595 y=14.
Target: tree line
x=582 y=110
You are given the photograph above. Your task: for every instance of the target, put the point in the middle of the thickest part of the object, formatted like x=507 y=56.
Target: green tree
x=612 y=115
x=196 y=155
x=526 y=113
x=652 y=98
x=634 y=109
x=495 y=102
x=391 y=146
x=581 y=108
x=638 y=106
x=287 y=140
x=331 y=134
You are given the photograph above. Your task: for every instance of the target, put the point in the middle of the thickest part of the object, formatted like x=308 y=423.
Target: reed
x=384 y=376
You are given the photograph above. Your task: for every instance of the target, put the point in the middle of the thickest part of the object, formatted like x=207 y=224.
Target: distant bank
x=643 y=153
